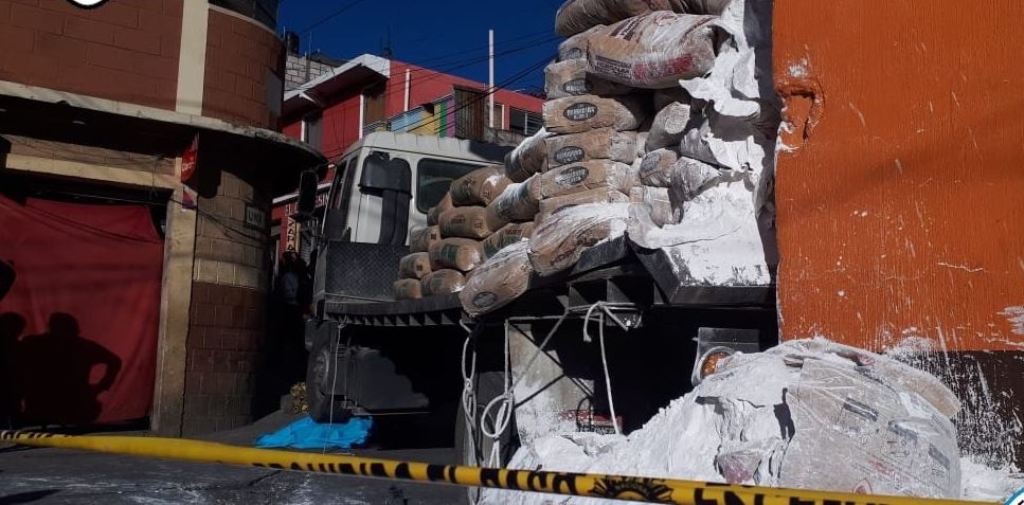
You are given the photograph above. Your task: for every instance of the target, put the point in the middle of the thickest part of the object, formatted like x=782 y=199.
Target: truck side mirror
x=308 y=186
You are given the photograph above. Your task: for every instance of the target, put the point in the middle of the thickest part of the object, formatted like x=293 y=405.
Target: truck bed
x=615 y=271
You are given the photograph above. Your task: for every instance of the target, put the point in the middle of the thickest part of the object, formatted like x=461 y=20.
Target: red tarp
x=80 y=325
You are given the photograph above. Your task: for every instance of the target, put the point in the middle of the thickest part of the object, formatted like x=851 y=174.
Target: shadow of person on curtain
x=11 y=327
x=60 y=381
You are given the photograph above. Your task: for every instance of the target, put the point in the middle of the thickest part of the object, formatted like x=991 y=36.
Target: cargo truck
x=601 y=347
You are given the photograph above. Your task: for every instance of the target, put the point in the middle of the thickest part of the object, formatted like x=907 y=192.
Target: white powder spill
x=748 y=423
x=719 y=241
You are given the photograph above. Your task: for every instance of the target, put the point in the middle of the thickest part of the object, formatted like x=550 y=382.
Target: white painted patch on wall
x=1015 y=315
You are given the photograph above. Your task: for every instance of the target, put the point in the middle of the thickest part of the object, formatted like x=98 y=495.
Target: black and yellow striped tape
x=574 y=484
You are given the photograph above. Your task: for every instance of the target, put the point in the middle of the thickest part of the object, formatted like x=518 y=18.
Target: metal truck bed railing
x=615 y=272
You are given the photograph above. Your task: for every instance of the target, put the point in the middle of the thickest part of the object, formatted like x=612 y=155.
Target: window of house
x=312 y=129
x=524 y=122
x=434 y=178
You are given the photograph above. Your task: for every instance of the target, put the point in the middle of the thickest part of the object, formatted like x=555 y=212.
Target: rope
x=604 y=355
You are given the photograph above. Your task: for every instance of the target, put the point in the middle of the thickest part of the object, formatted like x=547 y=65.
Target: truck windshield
x=434 y=177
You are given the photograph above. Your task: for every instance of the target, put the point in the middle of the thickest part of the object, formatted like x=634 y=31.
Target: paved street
x=48 y=476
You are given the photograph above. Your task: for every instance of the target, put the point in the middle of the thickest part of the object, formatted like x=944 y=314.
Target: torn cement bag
x=585 y=176
x=551 y=206
x=408 y=289
x=480 y=186
x=414 y=266
x=528 y=158
x=559 y=241
x=456 y=253
x=668 y=126
x=420 y=239
x=892 y=444
x=689 y=179
x=656 y=168
x=741 y=425
x=435 y=212
x=652 y=51
x=499 y=281
x=570 y=78
x=577 y=114
x=443 y=282
x=511 y=233
x=519 y=202
x=657 y=201
x=600 y=144
x=466 y=222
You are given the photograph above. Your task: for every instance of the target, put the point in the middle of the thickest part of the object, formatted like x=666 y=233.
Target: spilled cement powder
x=748 y=424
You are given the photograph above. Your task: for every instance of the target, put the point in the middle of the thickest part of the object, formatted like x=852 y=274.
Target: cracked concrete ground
x=57 y=477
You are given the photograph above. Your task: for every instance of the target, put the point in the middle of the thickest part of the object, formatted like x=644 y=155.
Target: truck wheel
x=320 y=379
x=488 y=386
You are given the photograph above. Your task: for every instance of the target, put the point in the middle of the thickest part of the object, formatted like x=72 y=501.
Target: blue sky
x=449 y=35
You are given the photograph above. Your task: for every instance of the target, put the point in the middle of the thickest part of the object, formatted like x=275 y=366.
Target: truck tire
x=324 y=360
x=488 y=386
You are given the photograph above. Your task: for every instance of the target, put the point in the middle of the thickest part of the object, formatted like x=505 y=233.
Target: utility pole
x=490 y=81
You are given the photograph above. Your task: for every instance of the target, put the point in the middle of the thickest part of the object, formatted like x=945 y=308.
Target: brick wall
x=125 y=51
x=228 y=313
x=244 y=69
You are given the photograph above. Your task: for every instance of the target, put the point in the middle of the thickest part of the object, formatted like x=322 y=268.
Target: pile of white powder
x=685 y=439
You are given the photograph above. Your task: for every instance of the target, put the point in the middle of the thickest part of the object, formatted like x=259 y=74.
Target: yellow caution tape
x=572 y=484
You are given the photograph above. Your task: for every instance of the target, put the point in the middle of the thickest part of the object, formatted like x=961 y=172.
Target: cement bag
x=408 y=289
x=467 y=222
x=656 y=168
x=435 y=212
x=501 y=280
x=519 y=202
x=585 y=176
x=457 y=254
x=669 y=126
x=570 y=78
x=657 y=201
x=414 y=266
x=552 y=206
x=528 y=158
x=512 y=233
x=601 y=144
x=559 y=242
x=573 y=48
x=443 y=282
x=575 y=16
x=577 y=114
x=690 y=178
x=420 y=239
x=694 y=143
x=479 y=187
x=652 y=51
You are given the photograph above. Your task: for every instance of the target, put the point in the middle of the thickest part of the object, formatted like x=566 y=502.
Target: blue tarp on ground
x=307 y=434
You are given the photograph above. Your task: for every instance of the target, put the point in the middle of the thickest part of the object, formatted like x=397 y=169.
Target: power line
x=430 y=121
x=332 y=15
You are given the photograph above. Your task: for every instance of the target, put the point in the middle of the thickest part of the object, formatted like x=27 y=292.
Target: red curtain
x=79 y=328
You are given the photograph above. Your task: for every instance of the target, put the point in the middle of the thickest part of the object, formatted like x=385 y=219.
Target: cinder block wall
x=228 y=319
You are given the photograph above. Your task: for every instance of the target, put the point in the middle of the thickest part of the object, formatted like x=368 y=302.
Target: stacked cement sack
x=482 y=213
x=614 y=130
x=615 y=120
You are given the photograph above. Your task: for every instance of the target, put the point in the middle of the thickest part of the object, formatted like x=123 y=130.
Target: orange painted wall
x=902 y=211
